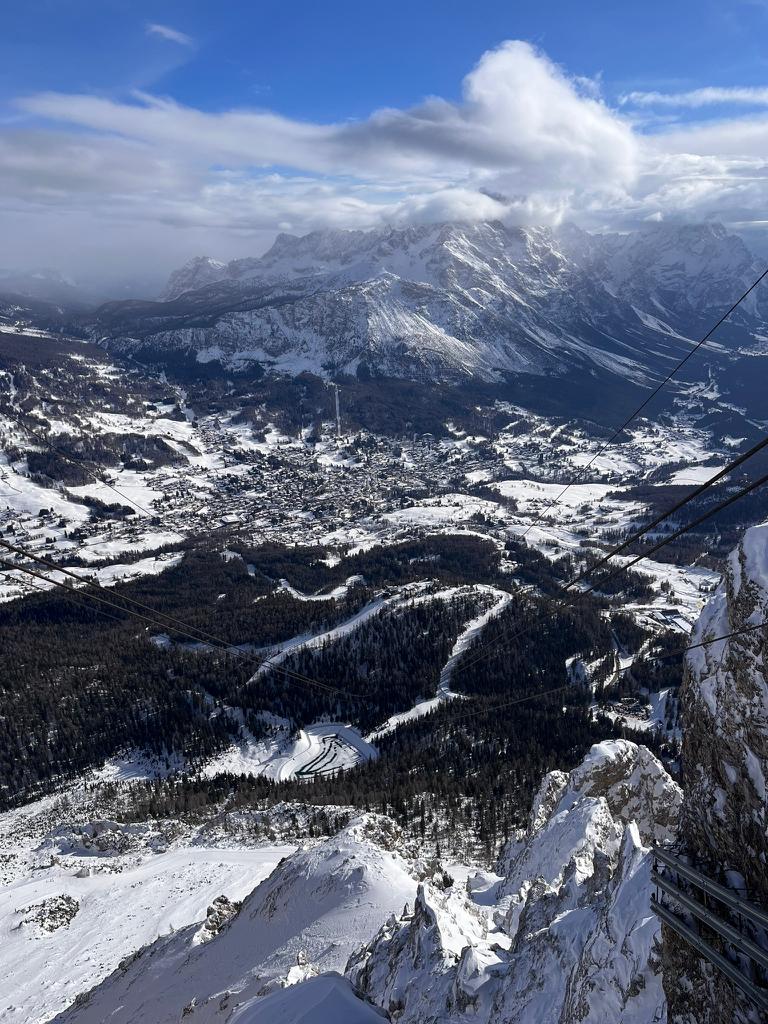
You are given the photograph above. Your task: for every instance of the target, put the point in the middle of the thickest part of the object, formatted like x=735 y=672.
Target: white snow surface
x=318 y=905
x=123 y=905
x=326 y=999
x=694 y=474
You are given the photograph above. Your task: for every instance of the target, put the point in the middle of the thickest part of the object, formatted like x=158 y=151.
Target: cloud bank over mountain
x=147 y=178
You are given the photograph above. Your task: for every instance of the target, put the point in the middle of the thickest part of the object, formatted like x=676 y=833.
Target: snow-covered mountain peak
x=196 y=273
x=415 y=253
x=699 y=265
x=617 y=782
x=450 y=301
x=635 y=785
x=571 y=936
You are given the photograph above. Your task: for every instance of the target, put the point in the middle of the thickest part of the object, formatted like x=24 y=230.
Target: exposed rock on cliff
x=724 y=704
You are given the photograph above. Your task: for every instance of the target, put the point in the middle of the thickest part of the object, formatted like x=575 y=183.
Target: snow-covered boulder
x=105 y=838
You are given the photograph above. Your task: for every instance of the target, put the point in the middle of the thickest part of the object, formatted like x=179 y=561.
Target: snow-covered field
x=46 y=958
x=449 y=509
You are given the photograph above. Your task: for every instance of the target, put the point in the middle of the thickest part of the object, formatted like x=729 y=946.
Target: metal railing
x=703 y=948
x=749 y=910
x=716 y=923
x=698 y=910
x=701 y=912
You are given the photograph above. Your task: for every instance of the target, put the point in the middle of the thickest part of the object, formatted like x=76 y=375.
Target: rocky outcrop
x=634 y=785
x=568 y=935
x=218 y=916
x=724 y=704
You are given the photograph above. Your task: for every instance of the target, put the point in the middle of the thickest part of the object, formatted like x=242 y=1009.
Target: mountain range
x=457 y=302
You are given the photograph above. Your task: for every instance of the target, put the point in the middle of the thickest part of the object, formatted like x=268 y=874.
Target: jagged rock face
x=570 y=937
x=587 y=950
x=417 y=965
x=447 y=302
x=724 y=705
x=635 y=786
x=674 y=265
x=725 y=718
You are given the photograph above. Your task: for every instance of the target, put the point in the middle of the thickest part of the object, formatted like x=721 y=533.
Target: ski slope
x=320 y=749
x=333 y=595
x=464 y=641
x=316 y=640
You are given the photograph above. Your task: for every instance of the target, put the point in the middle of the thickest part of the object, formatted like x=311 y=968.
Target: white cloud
x=171 y=34
x=707 y=96
x=526 y=143
x=520 y=115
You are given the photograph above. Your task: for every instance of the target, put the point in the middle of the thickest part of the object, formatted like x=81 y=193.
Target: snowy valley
x=329 y=744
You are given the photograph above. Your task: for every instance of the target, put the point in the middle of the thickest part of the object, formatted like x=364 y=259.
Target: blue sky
x=340 y=59
x=180 y=127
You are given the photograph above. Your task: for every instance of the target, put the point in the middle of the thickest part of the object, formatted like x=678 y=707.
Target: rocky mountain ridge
x=570 y=935
x=563 y=932
x=453 y=302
